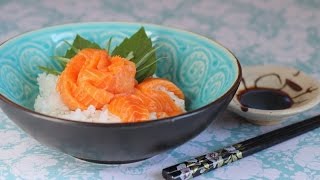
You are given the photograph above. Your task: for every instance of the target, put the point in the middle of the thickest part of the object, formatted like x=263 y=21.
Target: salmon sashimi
x=156 y=90
x=150 y=96
x=158 y=84
x=92 y=77
x=129 y=108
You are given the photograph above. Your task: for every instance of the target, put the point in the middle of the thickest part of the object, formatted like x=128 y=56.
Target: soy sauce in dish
x=264 y=98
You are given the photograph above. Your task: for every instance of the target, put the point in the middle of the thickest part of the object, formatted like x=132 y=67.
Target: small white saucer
x=304 y=91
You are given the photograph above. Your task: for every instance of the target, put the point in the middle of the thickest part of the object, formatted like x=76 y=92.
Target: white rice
x=49 y=102
x=179 y=102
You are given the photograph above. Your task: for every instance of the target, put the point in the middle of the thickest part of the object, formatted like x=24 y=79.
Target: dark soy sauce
x=264 y=98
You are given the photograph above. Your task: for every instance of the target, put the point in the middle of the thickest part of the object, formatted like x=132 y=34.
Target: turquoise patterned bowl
x=208 y=74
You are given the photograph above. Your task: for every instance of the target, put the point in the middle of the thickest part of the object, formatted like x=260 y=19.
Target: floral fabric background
x=285 y=32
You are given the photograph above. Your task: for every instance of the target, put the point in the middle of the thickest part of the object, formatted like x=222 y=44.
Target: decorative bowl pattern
x=187 y=62
x=206 y=72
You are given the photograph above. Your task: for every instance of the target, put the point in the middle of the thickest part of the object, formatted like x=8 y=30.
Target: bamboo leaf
x=109 y=45
x=146 y=57
x=73 y=48
x=61 y=59
x=130 y=56
x=144 y=54
x=49 y=70
x=147 y=66
x=78 y=44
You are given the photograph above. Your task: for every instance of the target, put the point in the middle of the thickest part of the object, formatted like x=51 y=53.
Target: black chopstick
x=247 y=144
x=216 y=159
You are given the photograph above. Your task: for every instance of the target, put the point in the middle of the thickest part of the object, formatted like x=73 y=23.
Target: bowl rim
x=235 y=105
x=171 y=119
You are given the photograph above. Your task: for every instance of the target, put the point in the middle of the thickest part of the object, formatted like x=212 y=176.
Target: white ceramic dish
x=303 y=89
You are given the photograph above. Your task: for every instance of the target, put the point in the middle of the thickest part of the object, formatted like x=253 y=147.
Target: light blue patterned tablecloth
x=285 y=32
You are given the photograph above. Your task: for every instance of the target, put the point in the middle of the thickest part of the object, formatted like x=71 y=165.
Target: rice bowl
x=209 y=88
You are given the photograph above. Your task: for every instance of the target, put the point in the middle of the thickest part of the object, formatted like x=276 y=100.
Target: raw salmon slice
x=154 y=93
x=149 y=97
x=92 y=77
x=158 y=84
x=129 y=108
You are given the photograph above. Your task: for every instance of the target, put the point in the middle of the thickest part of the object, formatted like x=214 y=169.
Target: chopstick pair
x=205 y=163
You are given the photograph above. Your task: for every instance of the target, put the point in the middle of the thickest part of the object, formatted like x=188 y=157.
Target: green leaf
x=146 y=57
x=79 y=43
x=109 y=45
x=140 y=45
x=147 y=66
x=49 y=70
x=130 y=56
x=62 y=60
x=72 y=48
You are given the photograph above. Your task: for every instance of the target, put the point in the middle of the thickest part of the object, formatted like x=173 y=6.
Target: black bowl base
x=110 y=162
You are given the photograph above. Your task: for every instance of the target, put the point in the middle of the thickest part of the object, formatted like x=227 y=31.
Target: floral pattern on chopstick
x=203 y=164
